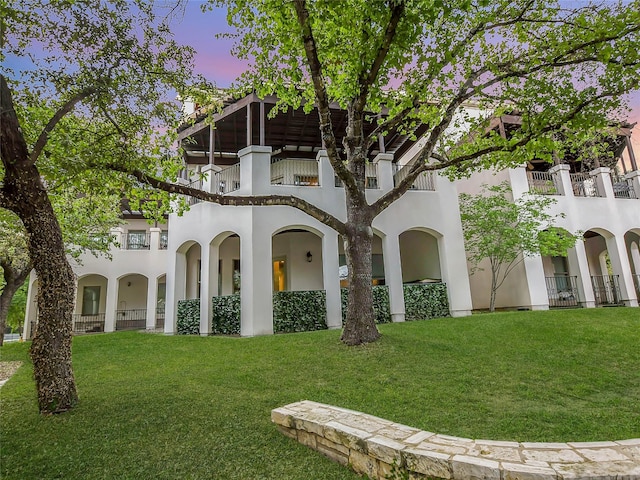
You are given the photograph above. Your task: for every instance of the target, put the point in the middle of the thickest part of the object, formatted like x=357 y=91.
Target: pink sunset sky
x=215 y=62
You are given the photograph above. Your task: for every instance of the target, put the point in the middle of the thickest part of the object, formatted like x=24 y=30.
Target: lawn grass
x=198 y=408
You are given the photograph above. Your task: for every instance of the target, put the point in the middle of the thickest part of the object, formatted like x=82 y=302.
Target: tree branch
x=57 y=116
x=236 y=201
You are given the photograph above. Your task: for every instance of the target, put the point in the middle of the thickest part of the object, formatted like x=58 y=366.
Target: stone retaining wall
x=383 y=449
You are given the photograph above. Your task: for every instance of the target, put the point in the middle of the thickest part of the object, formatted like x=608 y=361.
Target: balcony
x=136 y=240
x=562 y=291
x=606 y=289
x=542 y=183
x=300 y=173
x=226 y=180
x=622 y=187
x=584 y=185
x=424 y=181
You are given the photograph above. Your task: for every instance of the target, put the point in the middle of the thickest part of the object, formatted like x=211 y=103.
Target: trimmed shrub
x=226 y=315
x=299 y=311
x=424 y=301
x=188 y=317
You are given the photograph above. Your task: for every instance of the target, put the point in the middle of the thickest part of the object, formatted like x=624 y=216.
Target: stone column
x=393 y=276
x=579 y=266
x=602 y=176
x=330 y=278
x=111 y=305
x=209 y=267
x=562 y=179
x=256 y=298
x=534 y=272
x=621 y=267
x=154 y=238
x=152 y=298
x=385 y=171
x=255 y=170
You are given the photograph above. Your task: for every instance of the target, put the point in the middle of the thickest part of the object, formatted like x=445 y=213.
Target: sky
x=215 y=62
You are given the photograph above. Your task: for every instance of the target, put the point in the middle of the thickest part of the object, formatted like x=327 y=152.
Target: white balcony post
x=635 y=181
x=393 y=276
x=326 y=174
x=209 y=178
x=385 y=172
x=255 y=170
x=154 y=238
x=518 y=181
x=330 y=277
x=152 y=300
x=111 y=305
x=562 y=179
x=603 y=180
x=117 y=233
x=579 y=266
x=622 y=267
x=256 y=297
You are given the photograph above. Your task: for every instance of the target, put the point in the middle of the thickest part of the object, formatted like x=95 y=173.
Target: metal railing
x=606 y=289
x=160 y=317
x=542 y=183
x=371 y=173
x=562 y=291
x=136 y=241
x=227 y=180
x=164 y=240
x=198 y=186
x=584 y=185
x=88 y=323
x=622 y=187
x=424 y=181
x=131 y=319
x=288 y=171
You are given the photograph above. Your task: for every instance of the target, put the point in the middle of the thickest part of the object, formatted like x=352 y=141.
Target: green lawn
x=188 y=407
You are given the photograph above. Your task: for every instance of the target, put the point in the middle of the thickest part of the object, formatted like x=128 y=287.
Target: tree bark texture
x=25 y=195
x=13 y=281
x=360 y=326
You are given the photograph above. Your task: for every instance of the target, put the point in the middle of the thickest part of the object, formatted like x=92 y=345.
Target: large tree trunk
x=13 y=281
x=24 y=194
x=360 y=326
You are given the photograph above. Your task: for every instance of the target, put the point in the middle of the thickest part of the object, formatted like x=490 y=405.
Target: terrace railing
x=584 y=185
x=131 y=319
x=371 y=182
x=424 y=181
x=160 y=317
x=227 y=180
x=298 y=172
x=562 y=291
x=606 y=289
x=542 y=183
x=136 y=241
x=88 y=323
x=622 y=187
x=198 y=186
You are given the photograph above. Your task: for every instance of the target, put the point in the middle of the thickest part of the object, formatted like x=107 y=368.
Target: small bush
x=188 y=317
x=226 y=315
x=299 y=311
x=424 y=301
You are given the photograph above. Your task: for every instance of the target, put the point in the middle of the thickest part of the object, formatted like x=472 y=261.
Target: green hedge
x=226 y=315
x=188 y=317
x=381 y=306
x=424 y=301
x=302 y=311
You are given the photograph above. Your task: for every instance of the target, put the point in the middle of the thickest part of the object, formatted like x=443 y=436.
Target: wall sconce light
x=128 y=284
x=309 y=257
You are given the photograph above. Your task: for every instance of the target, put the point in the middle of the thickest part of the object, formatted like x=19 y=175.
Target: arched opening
x=377 y=262
x=228 y=268
x=419 y=256
x=193 y=271
x=560 y=279
x=91 y=301
x=605 y=282
x=131 y=310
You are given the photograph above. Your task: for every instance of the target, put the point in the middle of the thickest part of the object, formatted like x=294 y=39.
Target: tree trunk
x=494 y=288
x=360 y=326
x=24 y=194
x=13 y=282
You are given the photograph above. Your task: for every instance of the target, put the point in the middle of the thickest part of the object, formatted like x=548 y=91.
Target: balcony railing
x=288 y=171
x=606 y=289
x=562 y=291
x=131 y=319
x=160 y=317
x=424 y=181
x=197 y=185
x=137 y=241
x=542 y=183
x=227 y=180
x=88 y=323
x=371 y=181
x=622 y=187
x=164 y=240
x=584 y=185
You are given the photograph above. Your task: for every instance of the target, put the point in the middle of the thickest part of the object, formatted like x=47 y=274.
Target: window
x=90 y=300
x=137 y=240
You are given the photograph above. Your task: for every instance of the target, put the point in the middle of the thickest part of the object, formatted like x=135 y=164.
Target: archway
x=420 y=257
x=560 y=279
x=605 y=282
x=91 y=301
x=131 y=309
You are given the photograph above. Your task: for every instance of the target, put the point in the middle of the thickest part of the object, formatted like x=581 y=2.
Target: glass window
x=90 y=300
